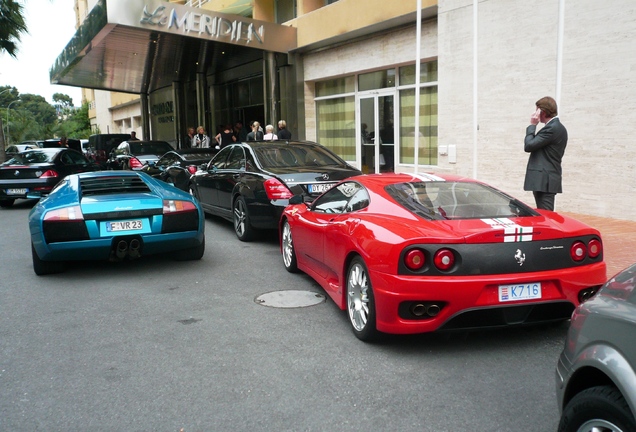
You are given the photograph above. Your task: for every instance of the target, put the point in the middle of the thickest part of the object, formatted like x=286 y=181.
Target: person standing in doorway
x=257 y=132
x=283 y=132
x=133 y=136
x=546 y=148
x=189 y=138
x=269 y=133
x=240 y=132
x=201 y=140
x=226 y=136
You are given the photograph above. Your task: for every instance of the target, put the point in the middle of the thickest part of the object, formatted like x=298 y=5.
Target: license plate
x=519 y=292
x=320 y=187
x=132 y=225
x=22 y=191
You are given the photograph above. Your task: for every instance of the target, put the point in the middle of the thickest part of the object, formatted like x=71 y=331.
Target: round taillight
x=414 y=259
x=594 y=248
x=444 y=259
x=578 y=251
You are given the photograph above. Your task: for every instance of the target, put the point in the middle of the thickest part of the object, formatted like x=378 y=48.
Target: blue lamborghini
x=113 y=215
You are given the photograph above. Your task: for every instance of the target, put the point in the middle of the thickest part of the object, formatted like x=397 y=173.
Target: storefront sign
x=201 y=23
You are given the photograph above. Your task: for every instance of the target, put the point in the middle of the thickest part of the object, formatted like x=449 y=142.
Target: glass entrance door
x=377 y=135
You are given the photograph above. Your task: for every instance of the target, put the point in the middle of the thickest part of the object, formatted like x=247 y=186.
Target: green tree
x=12 y=26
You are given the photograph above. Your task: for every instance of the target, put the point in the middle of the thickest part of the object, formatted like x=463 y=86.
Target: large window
x=335 y=111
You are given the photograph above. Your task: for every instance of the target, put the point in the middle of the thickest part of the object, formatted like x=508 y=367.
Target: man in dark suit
x=283 y=133
x=546 y=148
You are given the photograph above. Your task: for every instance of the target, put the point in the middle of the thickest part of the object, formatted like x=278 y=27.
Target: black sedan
x=39 y=170
x=177 y=166
x=132 y=155
x=250 y=183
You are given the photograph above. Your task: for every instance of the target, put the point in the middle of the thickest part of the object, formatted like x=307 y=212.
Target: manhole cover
x=290 y=299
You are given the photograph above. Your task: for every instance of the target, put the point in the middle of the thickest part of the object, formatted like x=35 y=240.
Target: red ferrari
x=409 y=253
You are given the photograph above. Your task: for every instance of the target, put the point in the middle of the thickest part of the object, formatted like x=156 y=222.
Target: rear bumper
x=100 y=249
x=468 y=302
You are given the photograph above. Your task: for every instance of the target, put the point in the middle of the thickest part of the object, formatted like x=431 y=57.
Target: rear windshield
x=457 y=200
x=197 y=156
x=32 y=157
x=295 y=156
x=149 y=148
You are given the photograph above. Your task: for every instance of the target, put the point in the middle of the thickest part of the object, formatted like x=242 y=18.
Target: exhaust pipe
x=422 y=309
x=418 y=309
x=433 y=310
x=133 y=249
x=122 y=249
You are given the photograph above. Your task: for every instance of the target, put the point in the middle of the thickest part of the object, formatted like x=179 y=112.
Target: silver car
x=595 y=375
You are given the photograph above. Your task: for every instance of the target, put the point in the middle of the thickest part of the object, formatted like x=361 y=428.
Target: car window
x=197 y=156
x=122 y=149
x=66 y=159
x=276 y=156
x=167 y=159
x=149 y=148
x=76 y=158
x=345 y=197
x=12 y=149
x=220 y=160
x=33 y=157
x=456 y=200
x=236 y=160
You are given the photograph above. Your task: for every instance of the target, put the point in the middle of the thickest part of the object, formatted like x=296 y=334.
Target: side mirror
x=296 y=199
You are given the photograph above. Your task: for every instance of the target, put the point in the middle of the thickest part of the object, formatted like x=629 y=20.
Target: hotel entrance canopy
x=138 y=46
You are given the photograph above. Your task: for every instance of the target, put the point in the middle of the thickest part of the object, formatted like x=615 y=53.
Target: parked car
x=421 y=253
x=14 y=149
x=132 y=155
x=114 y=215
x=596 y=372
x=33 y=143
x=101 y=145
x=70 y=143
x=251 y=183
x=39 y=170
x=177 y=166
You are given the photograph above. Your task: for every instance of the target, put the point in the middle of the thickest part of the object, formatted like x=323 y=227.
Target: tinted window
x=219 y=161
x=345 y=197
x=197 y=156
x=168 y=159
x=149 y=148
x=33 y=157
x=295 y=156
x=236 y=159
x=456 y=200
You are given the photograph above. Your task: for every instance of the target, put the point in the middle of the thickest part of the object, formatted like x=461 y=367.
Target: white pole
x=559 y=71
x=418 y=43
x=475 y=71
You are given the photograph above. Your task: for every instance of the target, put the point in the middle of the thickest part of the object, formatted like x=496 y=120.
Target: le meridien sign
x=215 y=27
x=201 y=23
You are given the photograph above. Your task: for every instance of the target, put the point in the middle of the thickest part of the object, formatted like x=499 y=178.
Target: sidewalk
x=619 y=240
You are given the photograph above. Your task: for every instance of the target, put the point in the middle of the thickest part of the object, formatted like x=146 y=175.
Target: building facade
x=361 y=76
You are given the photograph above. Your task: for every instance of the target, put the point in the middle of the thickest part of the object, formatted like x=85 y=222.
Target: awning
x=138 y=46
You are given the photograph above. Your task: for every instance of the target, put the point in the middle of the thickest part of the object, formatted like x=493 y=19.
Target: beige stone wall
x=517 y=64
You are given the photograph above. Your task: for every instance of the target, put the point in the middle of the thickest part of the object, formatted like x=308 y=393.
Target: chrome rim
x=598 y=425
x=240 y=217
x=288 y=246
x=358 y=296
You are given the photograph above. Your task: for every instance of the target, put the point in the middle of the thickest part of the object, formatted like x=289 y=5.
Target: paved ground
x=619 y=240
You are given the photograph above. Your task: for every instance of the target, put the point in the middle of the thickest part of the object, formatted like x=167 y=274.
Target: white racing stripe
x=425 y=177
x=512 y=232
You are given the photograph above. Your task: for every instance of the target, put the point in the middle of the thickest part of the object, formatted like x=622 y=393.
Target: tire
x=192 y=254
x=42 y=268
x=289 y=252
x=242 y=227
x=597 y=408
x=6 y=203
x=360 y=301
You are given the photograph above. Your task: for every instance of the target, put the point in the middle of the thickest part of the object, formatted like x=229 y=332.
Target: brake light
x=133 y=163
x=594 y=248
x=64 y=214
x=414 y=259
x=49 y=173
x=578 y=251
x=192 y=169
x=176 y=206
x=444 y=259
x=275 y=189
